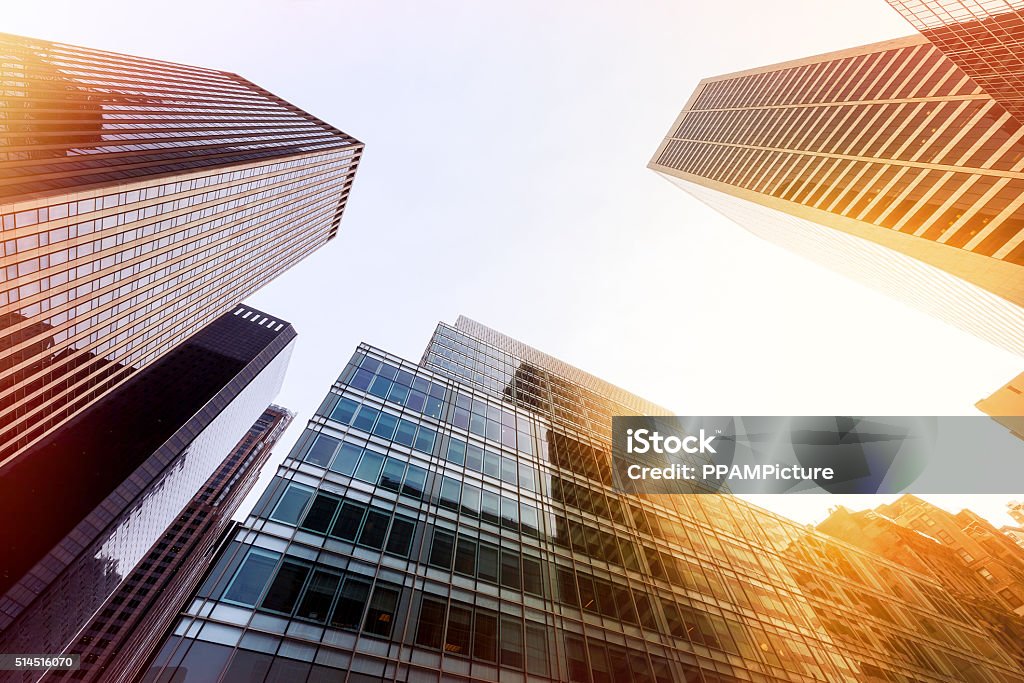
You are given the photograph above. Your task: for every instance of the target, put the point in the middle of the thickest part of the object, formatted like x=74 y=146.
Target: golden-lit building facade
x=455 y=520
x=139 y=200
x=885 y=162
x=985 y=39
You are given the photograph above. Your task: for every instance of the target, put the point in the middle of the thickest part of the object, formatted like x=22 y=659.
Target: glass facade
x=139 y=200
x=96 y=496
x=890 y=143
x=985 y=39
x=455 y=520
x=120 y=638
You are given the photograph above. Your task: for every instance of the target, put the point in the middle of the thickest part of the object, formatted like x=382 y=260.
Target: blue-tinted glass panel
x=322 y=450
x=415 y=480
x=344 y=411
x=345 y=461
x=391 y=477
x=457 y=451
x=369 y=467
x=385 y=427
x=291 y=505
x=380 y=387
x=252 y=576
x=450 y=491
x=406 y=433
x=365 y=418
x=425 y=440
x=361 y=380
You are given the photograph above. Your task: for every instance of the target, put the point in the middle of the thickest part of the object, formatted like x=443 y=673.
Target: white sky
x=505 y=178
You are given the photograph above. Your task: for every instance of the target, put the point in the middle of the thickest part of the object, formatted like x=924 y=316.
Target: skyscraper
x=122 y=637
x=985 y=39
x=886 y=162
x=456 y=520
x=139 y=200
x=94 y=497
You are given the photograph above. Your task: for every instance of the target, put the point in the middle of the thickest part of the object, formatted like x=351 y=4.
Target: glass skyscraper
x=455 y=520
x=139 y=200
x=886 y=162
x=87 y=503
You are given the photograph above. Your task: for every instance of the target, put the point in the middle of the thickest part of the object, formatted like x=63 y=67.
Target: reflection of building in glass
x=139 y=200
x=122 y=636
x=454 y=520
x=885 y=162
x=97 y=494
x=985 y=39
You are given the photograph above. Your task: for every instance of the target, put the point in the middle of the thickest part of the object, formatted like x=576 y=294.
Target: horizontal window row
x=472 y=501
x=293 y=587
x=401 y=387
x=385 y=425
x=366 y=464
x=503 y=467
x=465 y=555
x=347 y=520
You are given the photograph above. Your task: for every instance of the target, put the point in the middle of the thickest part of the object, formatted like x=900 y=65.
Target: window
x=344 y=411
x=284 y=590
x=510 y=576
x=291 y=505
x=511 y=643
x=485 y=636
x=567 y=587
x=470 y=500
x=487 y=563
x=459 y=630
x=530 y=519
x=385 y=427
x=451 y=490
x=345 y=462
x=319 y=594
x=431 y=624
x=425 y=440
x=537 y=649
x=986 y=574
x=489 y=507
x=474 y=458
x=415 y=479
x=322 y=450
x=350 y=603
x=509 y=513
x=347 y=523
x=365 y=418
x=508 y=470
x=465 y=556
x=251 y=577
x=320 y=514
x=374 y=529
x=532 y=581
x=441 y=549
x=1011 y=597
x=400 y=537
x=381 y=614
x=406 y=433
x=456 y=451
x=370 y=467
x=391 y=477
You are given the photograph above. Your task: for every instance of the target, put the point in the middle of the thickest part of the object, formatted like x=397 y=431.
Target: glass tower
x=886 y=162
x=87 y=503
x=455 y=520
x=139 y=200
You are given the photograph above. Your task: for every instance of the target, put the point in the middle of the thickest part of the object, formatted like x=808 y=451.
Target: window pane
x=391 y=477
x=365 y=418
x=537 y=650
x=425 y=440
x=450 y=491
x=380 y=386
x=485 y=636
x=369 y=467
x=510 y=577
x=567 y=587
x=511 y=642
x=470 y=500
x=530 y=519
x=319 y=594
x=441 y=549
x=345 y=461
x=459 y=630
x=285 y=589
x=509 y=513
x=508 y=470
x=527 y=480
x=374 y=529
x=474 y=458
x=251 y=577
x=350 y=604
x=489 y=507
x=431 y=623
x=344 y=411
x=456 y=451
x=401 y=536
x=532 y=582
x=385 y=427
x=320 y=514
x=415 y=478
x=465 y=556
x=398 y=394
x=406 y=433
x=487 y=564
x=492 y=464
x=347 y=523
x=322 y=450
x=381 y=614
x=291 y=505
